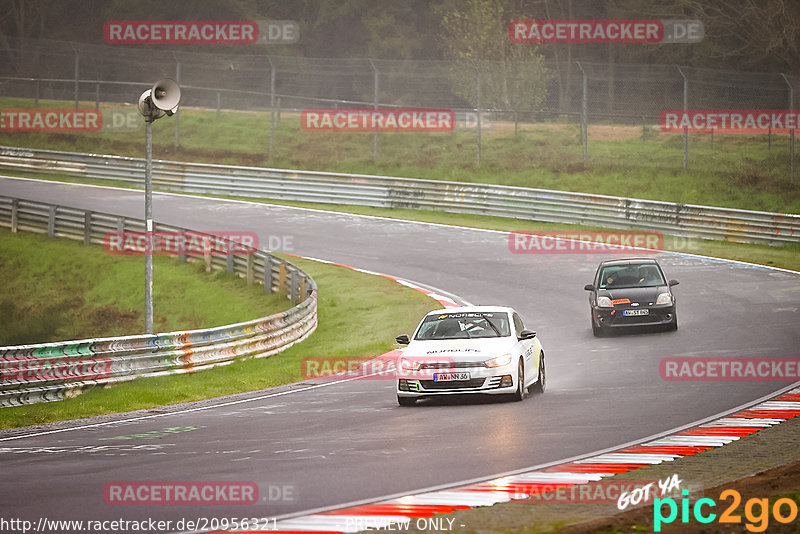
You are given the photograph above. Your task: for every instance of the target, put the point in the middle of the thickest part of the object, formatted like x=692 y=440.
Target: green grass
x=358 y=314
x=739 y=171
x=55 y=289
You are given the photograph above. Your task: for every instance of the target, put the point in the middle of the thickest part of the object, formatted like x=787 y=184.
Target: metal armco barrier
x=382 y=191
x=53 y=371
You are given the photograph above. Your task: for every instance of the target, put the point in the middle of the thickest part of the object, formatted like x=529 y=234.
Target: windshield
x=635 y=275
x=464 y=325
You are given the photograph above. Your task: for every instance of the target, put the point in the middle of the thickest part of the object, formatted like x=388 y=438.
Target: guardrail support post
x=87 y=227
x=281 y=278
x=14 y=216
x=51 y=221
x=268 y=274
x=302 y=291
x=250 y=270
x=229 y=261
x=293 y=286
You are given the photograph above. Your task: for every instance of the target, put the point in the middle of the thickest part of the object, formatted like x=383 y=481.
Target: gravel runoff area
x=763 y=465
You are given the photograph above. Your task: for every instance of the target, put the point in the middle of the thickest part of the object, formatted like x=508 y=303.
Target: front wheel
x=520 y=393
x=598 y=331
x=672 y=325
x=541 y=383
x=406 y=401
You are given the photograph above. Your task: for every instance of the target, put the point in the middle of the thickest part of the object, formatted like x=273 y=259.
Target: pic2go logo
x=756 y=511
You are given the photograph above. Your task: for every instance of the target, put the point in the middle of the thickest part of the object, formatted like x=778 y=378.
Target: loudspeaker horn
x=165 y=95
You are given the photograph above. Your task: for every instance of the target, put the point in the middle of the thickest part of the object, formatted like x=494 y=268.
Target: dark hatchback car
x=631 y=292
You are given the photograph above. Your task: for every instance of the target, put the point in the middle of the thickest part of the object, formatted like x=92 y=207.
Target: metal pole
x=791 y=132
x=584 y=114
x=271 y=130
x=478 y=108
x=685 y=128
x=148 y=218
x=374 y=106
x=271 y=83
x=77 y=77
x=177 y=113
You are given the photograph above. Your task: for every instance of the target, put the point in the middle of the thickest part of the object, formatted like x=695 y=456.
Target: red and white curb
x=444 y=300
x=687 y=442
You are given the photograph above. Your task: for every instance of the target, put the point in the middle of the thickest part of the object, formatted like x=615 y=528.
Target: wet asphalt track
x=350 y=441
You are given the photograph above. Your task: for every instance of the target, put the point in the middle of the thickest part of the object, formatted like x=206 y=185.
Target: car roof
x=474 y=309
x=629 y=261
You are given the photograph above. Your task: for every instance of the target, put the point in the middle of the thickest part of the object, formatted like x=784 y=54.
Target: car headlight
x=499 y=361
x=664 y=298
x=408 y=365
x=604 y=302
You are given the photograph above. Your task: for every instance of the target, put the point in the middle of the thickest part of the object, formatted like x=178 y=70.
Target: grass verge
x=74 y=291
x=349 y=302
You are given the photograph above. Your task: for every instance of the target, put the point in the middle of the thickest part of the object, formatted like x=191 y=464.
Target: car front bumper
x=615 y=318
x=492 y=381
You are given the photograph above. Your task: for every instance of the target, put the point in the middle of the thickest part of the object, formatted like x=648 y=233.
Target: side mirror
x=403 y=339
x=527 y=334
x=673 y=283
x=589 y=287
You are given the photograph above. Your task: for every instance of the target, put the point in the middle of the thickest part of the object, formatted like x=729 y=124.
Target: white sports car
x=475 y=349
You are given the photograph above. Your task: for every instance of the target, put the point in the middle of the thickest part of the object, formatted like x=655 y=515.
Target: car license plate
x=450 y=377
x=628 y=313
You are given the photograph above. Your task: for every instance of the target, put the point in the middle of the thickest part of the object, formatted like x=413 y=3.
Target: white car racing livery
x=474 y=349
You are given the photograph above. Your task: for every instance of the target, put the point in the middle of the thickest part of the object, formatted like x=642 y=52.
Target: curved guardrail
x=53 y=371
x=544 y=205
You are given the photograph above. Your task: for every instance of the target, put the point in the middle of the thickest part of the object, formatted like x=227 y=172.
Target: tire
x=520 y=393
x=406 y=401
x=598 y=331
x=672 y=325
x=541 y=384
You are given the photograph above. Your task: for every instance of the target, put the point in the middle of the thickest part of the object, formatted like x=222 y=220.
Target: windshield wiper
x=496 y=331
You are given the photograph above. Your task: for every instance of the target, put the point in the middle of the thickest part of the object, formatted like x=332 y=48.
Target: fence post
x=97 y=96
x=685 y=128
x=271 y=106
x=218 y=103
x=584 y=115
x=77 y=77
x=791 y=132
x=478 y=107
x=250 y=269
x=36 y=97
x=374 y=106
